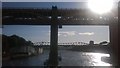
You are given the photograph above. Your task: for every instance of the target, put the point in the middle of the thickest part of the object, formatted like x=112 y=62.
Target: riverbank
x=19 y=56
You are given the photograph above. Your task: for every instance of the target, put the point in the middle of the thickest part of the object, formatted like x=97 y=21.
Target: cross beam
x=44 y=16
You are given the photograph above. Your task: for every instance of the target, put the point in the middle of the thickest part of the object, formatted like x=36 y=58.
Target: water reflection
x=69 y=58
x=96 y=59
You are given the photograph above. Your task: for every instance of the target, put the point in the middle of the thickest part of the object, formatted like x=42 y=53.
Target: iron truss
x=12 y=16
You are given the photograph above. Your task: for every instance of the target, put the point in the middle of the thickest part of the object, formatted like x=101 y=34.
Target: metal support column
x=53 y=55
x=114 y=41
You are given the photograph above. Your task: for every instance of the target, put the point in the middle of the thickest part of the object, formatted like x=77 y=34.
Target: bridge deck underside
x=43 y=17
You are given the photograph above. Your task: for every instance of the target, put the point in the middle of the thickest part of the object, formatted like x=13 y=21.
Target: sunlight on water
x=96 y=59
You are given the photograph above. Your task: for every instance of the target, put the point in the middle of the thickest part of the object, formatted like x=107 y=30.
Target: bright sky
x=66 y=34
x=77 y=5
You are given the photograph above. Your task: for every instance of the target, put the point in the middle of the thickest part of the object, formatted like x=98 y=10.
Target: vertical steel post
x=53 y=55
x=114 y=41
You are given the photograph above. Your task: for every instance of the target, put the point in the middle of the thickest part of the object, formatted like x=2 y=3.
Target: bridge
x=70 y=44
x=58 y=17
x=64 y=17
x=59 y=44
x=76 y=46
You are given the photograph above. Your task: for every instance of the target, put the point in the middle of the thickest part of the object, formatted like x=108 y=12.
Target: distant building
x=23 y=49
x=91 y=43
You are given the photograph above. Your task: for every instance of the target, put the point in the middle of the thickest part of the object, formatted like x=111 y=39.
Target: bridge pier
x=113 y=26
x=53 y=55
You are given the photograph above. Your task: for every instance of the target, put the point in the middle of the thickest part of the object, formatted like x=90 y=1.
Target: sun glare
x=100 y=6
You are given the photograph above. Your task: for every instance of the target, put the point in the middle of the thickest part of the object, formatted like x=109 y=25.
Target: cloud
x=87 y=33
x=59 y=34
x=67 y=33
x=72 y=33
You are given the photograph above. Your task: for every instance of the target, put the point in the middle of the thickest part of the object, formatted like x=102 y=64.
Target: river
x=69 y=58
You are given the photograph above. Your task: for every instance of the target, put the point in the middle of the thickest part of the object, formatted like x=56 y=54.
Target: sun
x=100 y=6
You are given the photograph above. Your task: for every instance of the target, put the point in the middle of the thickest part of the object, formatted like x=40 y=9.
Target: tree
x=104 y=42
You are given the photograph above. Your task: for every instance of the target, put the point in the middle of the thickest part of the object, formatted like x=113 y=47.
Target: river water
x=69 y=58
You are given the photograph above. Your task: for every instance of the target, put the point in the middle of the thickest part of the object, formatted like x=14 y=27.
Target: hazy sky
x=77 y=5
x=66 y=34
